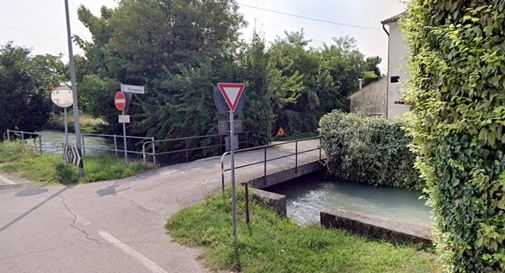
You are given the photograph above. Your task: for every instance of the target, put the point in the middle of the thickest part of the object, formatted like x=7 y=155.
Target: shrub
x=368 y=150
x=66 y=173
x=457 y=83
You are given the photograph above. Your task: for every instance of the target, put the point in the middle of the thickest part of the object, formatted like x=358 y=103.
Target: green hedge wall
x=457 y=83
x=369 y=150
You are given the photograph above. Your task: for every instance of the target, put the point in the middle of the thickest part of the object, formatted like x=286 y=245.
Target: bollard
x=8 y=135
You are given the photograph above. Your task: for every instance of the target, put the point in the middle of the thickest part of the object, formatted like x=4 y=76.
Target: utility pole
x=75 y=106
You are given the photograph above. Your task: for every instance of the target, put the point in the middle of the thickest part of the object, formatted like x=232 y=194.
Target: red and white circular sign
x=120 y=101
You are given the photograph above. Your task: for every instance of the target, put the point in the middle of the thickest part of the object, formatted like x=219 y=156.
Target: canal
x=308 y=195
x=52 y=142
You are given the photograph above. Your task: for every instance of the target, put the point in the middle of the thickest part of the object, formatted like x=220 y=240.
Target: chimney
x=360 y=82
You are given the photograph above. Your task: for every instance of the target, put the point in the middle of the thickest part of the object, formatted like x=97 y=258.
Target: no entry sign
x=120 y=101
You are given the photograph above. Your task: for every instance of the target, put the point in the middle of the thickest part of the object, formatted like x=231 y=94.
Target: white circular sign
x=62 y=96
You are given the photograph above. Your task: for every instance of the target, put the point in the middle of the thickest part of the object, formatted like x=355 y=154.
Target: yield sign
x=231 y=93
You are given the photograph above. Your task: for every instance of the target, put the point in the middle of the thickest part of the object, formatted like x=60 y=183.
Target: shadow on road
x=30 y=192
x=27 y=192
x=110 y=190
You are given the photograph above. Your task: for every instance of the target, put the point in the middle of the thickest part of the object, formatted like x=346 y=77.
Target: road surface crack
x=74 y=224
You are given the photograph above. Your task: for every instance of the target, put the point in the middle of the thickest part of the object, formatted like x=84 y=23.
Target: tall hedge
x=457 y=69
x=369 y=150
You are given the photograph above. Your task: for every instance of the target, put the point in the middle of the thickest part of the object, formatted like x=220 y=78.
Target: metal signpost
x=62 y=97
x=77 y=126
x=135 y=89
x=232 y=92
x=120 y=103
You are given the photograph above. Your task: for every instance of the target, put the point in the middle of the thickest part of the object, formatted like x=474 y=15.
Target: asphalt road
x=113 y=226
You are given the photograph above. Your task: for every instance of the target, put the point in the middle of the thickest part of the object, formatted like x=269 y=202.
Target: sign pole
x=231 y=93
x=124 y=140
x=233 y=193
x=66 y=124
x=74 y=88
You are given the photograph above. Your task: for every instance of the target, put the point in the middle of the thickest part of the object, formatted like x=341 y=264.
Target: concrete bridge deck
x=117 y=226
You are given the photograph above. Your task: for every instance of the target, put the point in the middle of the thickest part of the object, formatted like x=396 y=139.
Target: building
x=384 y=97
x=371 y=99
x=398 y=73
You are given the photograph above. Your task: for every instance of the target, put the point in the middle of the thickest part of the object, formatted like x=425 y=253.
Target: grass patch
x=18 y=159
x=275 y=244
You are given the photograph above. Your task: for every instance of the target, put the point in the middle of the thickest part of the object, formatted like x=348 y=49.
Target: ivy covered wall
x=457 y=71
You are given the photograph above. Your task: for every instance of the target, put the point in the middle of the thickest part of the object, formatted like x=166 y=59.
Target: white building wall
x=397 y=66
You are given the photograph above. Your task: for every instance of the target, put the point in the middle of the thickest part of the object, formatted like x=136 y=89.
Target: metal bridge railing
x=266 y=159
x=184 y=146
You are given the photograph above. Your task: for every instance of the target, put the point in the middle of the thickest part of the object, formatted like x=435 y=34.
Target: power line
x=304 y=17
x=32 y=32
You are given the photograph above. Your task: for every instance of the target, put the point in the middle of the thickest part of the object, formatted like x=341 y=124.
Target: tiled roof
x=393 y=19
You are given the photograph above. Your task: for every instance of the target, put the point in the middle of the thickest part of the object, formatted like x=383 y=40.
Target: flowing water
x=52 y=142
x=307 y=196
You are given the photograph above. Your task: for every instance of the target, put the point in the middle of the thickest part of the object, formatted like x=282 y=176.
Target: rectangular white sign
x=124 y=118
x=136 y=89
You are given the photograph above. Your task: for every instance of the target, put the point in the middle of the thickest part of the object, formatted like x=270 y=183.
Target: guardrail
x=265 y=157
x=113 y=140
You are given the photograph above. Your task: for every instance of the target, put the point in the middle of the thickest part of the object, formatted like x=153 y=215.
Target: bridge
x=269 y=165
x=81 y=224
x=261 y=166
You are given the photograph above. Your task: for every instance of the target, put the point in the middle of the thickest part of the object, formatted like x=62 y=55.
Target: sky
x=40 y=24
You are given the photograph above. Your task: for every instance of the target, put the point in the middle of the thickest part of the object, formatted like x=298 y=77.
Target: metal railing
x=23 y=135
x=184 y=146
x=185 y=150
x=112 y=139
x=266 y=159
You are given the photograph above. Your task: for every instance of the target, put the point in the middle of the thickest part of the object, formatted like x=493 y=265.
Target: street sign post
x=136 y=89
x=62 y=97
x=223 y=127
x=124 y=118
x=231 y=93
x=222 y=106
x=75 y=104
x=120 y=103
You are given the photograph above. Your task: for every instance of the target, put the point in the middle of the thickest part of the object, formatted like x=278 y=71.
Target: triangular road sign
x=231 y=93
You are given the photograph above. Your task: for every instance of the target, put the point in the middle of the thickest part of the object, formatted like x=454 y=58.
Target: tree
x=26 y=83
x=177 y=49
x=308 y=82
x=258 y=115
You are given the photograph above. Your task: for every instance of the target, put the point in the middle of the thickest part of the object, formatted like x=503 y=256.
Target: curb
x=13 y=186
